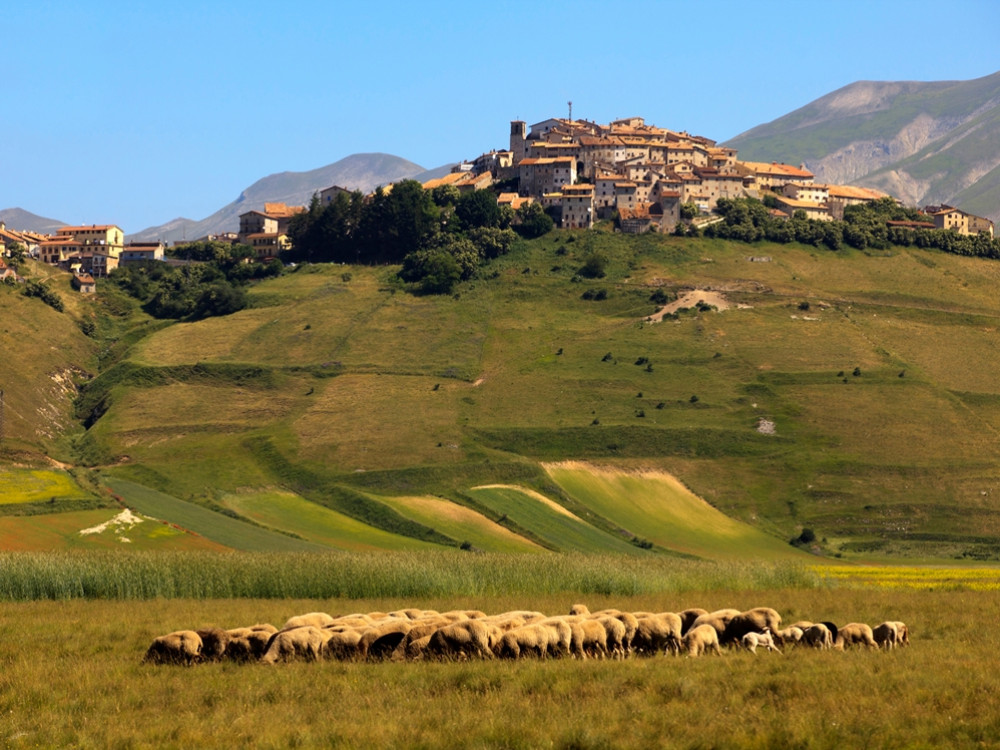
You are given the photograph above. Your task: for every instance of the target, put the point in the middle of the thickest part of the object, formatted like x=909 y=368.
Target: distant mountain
x=936 y=142
x=362 y=172
x=25 y=221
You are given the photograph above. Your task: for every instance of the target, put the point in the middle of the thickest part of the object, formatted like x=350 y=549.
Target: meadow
x=75 y=677
x=341 y=411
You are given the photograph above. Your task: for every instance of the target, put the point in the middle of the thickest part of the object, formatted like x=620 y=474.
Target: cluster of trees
x=440 y=236
x=864 y=226
x=214 y=286
x=33 y=288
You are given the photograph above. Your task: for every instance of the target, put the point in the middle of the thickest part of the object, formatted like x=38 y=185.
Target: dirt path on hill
x=690 y=299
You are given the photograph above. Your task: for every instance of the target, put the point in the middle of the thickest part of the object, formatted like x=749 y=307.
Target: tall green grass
x=138 y=575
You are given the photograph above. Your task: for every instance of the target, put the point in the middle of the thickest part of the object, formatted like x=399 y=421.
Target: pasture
x=74 y=678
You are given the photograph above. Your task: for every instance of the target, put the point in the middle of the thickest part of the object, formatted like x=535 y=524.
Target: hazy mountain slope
x=25 y=221
x=923 y=142
x=362 y=172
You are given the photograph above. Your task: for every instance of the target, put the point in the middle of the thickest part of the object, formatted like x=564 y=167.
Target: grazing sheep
x=886 y=635
x=902 y=632
x=416 y=648
x=818 y=636
x=718 y=619
x=529 y=640
x=341 y=644
x=247 y=644
x=802 y=625
x=630 y=621
x=285 y=645
x=688 y=616
x=832 y=628
x=751 y=621
x=792 y=635
x=316 y=619
x=701 y=639
x=213 y=643
x=179 y=647
x=579 y=609
x=562 y=635
x=421 y=629
x=616 y=636
x=379 y=641
x=463 y=639
x=855 y=633
x=752 y=640
x=658 y=633
x=589 y=639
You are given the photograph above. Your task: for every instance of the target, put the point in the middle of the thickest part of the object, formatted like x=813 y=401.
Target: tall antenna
x=571 y=111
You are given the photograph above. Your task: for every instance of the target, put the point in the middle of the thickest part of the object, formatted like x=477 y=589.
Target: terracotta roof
x=92 y=228
x=448 y=179
x=850 y=191
x=547 y=160
x=281 y=211
x=777 y=170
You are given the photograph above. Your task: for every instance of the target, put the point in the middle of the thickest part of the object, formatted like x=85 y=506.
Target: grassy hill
x=847 y=393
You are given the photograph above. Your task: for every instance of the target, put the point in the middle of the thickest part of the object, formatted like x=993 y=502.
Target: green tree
x=594 y=267
x=478 y=208
x=532 y=221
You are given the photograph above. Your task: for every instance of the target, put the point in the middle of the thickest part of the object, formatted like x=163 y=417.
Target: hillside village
x=642 y=177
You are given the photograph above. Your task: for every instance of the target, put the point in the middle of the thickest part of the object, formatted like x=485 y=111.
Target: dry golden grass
x=74 y=678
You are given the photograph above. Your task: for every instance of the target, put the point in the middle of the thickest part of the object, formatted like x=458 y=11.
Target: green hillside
x=850 y=394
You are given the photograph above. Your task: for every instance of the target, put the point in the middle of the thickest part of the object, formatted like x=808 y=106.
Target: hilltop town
x=640 y=176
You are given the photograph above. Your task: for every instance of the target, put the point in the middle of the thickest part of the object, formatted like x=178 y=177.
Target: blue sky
x=135 y=112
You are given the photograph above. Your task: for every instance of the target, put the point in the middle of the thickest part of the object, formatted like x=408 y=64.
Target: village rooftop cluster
x=641 y=176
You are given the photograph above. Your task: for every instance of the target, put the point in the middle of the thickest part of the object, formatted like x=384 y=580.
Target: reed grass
x=147 y=575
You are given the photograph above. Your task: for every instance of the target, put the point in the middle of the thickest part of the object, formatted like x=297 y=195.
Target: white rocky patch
x=121 y=523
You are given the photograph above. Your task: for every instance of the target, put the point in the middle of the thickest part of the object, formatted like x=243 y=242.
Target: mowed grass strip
x=215 y=526
x=555 y=525
x=61 y=531
x=654 y=506
x=461 y=523
x=290 y=512
x=37 y=485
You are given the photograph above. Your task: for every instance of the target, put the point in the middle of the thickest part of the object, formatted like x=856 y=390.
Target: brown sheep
x=818 y=636
x=246 y=644
x=379 y=641
x=316 y=619
x=751 y=621
x=463 y=639
x=658 y=633
x=285 y=645
x=701 y=639
x=529 y=640
x=688 y=616
x=179 y=647
x=718 y=619
x=886 y=635
x=855 y=633
x=213 y=643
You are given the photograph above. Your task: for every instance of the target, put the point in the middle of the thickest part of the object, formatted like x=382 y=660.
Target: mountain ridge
x=363 y=171
x=923 y=142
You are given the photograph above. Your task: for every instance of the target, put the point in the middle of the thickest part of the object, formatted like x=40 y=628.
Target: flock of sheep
x=468 y=634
